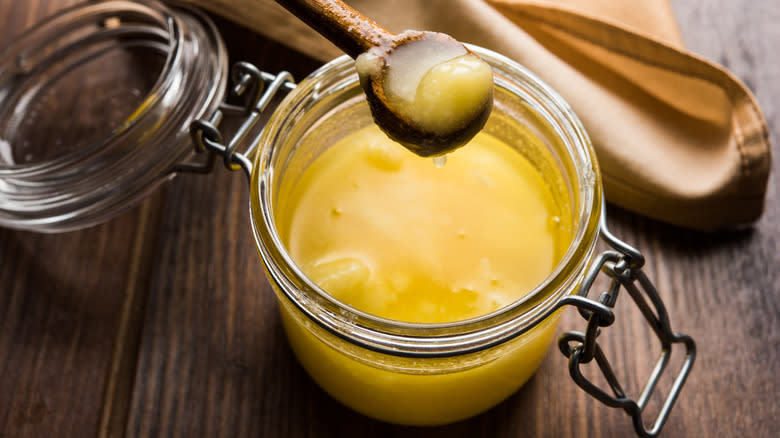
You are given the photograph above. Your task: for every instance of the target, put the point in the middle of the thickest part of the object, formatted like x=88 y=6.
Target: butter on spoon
x=426 y=90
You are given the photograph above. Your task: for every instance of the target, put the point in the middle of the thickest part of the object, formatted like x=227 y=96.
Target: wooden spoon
x=426 y=90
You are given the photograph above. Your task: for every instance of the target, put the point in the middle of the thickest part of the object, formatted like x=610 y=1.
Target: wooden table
x=160 y=322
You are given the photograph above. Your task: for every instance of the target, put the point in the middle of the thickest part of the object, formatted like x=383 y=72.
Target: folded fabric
x=678 y=138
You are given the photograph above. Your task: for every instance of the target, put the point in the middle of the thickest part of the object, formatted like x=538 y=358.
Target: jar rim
x=429 y=339
x=97 y=179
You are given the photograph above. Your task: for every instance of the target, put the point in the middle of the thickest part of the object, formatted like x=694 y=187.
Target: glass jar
x=123 y=131
x=422 y=374
x=426 y=374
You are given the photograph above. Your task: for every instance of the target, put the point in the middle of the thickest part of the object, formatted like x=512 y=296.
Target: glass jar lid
x=95 y=107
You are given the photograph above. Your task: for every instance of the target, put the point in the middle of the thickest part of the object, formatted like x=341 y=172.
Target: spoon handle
x=345 y=27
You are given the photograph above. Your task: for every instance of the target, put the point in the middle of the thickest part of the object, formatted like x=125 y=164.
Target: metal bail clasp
x=624 y=267
x=258 y=88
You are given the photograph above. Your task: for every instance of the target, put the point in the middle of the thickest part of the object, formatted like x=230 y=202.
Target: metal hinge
x=258 y=89
x=623 y=265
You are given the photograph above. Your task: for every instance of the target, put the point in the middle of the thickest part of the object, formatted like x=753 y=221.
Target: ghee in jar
x=391 y=234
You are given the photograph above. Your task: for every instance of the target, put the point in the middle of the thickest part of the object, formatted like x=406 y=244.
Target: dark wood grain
x=70 y=307
x=160 y=322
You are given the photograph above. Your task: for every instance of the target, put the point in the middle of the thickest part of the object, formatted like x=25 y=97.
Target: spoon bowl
x=426 y=90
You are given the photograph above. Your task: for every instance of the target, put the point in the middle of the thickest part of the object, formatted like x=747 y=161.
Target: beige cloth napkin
x=678 y=138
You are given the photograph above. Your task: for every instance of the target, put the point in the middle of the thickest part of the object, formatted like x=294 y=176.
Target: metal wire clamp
x=257 y=88
x=623 y=264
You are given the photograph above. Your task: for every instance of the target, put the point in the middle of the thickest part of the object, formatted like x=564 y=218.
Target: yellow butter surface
x=391 y=234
